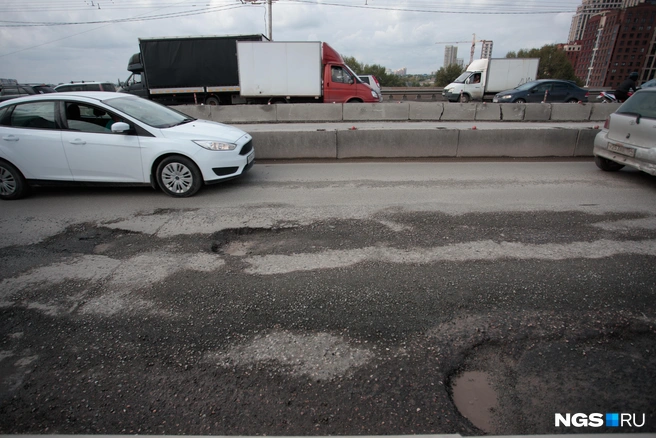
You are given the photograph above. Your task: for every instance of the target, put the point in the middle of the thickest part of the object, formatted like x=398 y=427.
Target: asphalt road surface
x=331 y=299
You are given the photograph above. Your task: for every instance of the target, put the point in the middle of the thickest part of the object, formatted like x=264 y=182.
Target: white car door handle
x=77 y=141
x=10 y=138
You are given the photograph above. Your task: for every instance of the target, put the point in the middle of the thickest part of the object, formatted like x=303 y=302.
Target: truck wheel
x=607 y=165
x=465 y=98
x=178 y=176
x=12 y=182
x=212 y=101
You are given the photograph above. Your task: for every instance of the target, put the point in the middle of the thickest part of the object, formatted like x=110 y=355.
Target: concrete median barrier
x=517 y=143
x=585 y=142
x=421 y=143
x=309 y=112
x=488 y=112
x=570 y=112
x=277 y=145
x=402 y=111
x=376 y=111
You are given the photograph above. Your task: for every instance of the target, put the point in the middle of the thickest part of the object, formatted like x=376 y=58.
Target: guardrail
x=434 y=94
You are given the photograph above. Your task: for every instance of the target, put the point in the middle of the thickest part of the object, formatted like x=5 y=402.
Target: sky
x=56 y=41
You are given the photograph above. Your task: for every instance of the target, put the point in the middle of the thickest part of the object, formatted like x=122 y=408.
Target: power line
x=119 y=20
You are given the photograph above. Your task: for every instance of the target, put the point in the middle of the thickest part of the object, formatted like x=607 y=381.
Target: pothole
x=475 y=398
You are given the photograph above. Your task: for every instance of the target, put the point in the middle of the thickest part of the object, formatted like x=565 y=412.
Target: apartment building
x=450 y=55
x=587 y=9
x=618 y=42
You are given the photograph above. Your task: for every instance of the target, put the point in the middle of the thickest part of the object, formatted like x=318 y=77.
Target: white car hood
x=204 y=130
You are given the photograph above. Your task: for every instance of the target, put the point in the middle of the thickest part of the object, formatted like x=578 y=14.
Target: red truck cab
x=340 y=83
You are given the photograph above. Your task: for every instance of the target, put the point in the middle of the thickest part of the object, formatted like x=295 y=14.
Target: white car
x=372 y=81
x=116 y=138
x=629 y=135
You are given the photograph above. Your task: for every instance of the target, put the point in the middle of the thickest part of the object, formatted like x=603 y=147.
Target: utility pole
x=270 y=21
x=269 y=14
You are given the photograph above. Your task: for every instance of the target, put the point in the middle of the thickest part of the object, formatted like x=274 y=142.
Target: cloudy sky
x=56 y=41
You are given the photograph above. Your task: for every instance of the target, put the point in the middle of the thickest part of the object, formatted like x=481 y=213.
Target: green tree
x=385 y=79
x=553 y=62
x=446 y=75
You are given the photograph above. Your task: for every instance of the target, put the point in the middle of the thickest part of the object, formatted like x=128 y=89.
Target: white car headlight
x=374 y=94
x=216 y=145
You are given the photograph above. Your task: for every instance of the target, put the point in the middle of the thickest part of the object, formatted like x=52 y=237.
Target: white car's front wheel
x=179 y=177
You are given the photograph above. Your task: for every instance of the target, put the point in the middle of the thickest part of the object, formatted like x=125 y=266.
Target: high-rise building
x=486 y=50
x=450 y=55
x=618 y=42
x=587 y=9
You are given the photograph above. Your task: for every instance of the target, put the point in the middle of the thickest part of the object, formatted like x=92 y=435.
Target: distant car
x=649 y=84
x=17 y=90
x=372 y=81
x=627 y=137
x=544 y=90
x=86 y=86
x=115 y=138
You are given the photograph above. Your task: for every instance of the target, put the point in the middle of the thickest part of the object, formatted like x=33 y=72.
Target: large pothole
x=475 y=398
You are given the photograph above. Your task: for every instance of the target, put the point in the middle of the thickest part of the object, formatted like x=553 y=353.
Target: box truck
x=226 y=70
x=486 y=77
x=186 y=70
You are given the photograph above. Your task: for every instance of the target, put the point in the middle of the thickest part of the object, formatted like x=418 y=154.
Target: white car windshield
x=150 y=113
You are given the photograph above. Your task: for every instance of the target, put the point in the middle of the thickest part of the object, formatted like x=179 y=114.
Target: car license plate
x=613 y=147
x=250 y=157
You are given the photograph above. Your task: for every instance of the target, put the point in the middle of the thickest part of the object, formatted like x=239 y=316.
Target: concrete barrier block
x=601 y=111
x=376 y=111
x=513 y=112
x=537 y=112
x=426 y=110
x=309 y=112
x=244 y=113
x=517 y=143
x=488 y=111
x=585 y=142
x=397 y=143
x=278 y=145
x=571 y=112
x=196 y=111
x=459 y=111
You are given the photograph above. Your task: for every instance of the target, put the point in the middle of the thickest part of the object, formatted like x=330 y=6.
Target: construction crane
x=473 y=45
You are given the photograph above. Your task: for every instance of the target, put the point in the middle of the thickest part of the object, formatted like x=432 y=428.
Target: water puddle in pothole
x=475 y=399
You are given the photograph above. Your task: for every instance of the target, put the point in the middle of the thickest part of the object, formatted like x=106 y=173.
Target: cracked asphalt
x=352 y=318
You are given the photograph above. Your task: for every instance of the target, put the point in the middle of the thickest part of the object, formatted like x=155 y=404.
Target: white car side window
x=37 y=115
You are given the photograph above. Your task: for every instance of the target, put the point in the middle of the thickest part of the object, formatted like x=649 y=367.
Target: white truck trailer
x=486 y=77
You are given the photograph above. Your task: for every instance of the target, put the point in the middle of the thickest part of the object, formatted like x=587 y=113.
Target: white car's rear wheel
x=12 y=182
x=607 y=165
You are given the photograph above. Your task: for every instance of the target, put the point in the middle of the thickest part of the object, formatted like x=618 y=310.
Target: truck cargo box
x=194 y=61
x=506 y=73
x=280 y=68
